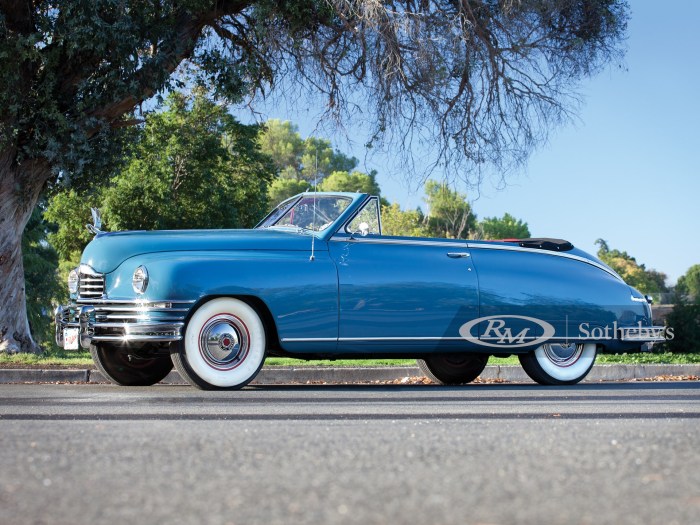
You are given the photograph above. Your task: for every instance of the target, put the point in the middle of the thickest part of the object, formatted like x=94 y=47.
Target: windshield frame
x=278 y=212
x=272 y=219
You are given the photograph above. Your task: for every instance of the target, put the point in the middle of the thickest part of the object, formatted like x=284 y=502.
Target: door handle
x=457 y=255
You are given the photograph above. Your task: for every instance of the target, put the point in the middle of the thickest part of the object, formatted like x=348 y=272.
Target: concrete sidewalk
x=282 y=375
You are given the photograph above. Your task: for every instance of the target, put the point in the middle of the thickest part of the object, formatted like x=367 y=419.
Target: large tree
x=480 y=79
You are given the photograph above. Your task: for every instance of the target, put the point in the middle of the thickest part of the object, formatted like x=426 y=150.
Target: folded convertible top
x=544 y=243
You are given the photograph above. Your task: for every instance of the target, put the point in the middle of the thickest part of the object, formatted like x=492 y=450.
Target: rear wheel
x=223 y=346
x=124 y=367
x=559 y=364
x=454 y=369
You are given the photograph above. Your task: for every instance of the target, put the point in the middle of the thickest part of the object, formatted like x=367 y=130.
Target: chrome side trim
x=350 y=339
x=371 y=240
x=473 y=246
x=309 y=339
x=347 y=339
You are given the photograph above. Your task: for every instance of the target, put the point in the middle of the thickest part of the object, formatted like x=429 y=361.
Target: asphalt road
x=481 y=454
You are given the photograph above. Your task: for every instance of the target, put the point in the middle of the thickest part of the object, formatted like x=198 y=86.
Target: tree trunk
x=20 y=187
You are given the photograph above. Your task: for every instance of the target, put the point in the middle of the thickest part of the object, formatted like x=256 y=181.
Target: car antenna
x=313 y=222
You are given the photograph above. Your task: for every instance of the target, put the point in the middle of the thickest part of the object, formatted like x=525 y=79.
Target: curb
x=282 y=375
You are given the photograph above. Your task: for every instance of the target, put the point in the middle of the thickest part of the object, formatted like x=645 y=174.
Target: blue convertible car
x=316 y=279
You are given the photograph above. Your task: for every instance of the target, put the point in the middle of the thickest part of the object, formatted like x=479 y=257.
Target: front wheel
x=125 y=368
x=559 y=364
x=223 y=346
x=454 y=369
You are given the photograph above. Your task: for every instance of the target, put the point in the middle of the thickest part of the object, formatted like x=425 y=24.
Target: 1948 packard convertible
x=316 y=279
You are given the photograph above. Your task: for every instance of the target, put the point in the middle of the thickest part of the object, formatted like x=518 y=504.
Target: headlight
x=140 y=279
x=73 y=281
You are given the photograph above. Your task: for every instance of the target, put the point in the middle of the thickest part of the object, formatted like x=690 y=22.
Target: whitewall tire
x=559 y=364
x=223 y=345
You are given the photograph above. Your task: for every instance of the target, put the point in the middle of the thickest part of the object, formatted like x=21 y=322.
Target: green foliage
x=685 y=316
x=301 y=159
x=634 y=274
x=689 y=284
x=194 y=166
x=42 y=287
x=282 y=142
x=450 y=215
x=281 y=189
x=66 y=65
x=350 y=182
x=69 y=210
x=507 y=227
x=191 y=166
x=685 y=321
x=409 y=223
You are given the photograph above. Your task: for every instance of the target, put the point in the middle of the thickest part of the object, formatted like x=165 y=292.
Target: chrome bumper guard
x=643 y=334
x=104 y=320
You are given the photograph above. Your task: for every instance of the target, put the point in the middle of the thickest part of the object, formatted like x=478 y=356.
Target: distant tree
x=684 y=319
x=409 y=223
x=282 y=142
x=634 y=274
x=309 y=159
x=281 y=189
x=320 y=159
x=685 y=316
x=689 y=284
x=507 y=227
x=449 y=213
x=352 y=182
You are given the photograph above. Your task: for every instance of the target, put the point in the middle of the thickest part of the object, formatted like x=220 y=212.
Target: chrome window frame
x=345 y=226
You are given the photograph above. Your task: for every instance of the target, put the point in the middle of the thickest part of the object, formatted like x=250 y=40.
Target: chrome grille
x=91 y=286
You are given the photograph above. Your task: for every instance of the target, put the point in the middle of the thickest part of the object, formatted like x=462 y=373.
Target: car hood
x=108 y=250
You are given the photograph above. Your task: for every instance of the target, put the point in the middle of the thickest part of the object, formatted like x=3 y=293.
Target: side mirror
x=364 y=229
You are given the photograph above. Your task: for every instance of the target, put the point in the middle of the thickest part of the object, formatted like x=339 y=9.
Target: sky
x=626 y=170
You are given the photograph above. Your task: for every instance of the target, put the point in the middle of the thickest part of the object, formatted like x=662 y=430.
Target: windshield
x=310 y=212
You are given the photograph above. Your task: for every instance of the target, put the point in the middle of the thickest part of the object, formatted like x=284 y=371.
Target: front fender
x=301 y=294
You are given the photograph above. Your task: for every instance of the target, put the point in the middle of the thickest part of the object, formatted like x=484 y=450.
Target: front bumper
x=133 y=322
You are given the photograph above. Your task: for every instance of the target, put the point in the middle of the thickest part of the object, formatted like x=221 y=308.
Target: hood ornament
x=94 y=228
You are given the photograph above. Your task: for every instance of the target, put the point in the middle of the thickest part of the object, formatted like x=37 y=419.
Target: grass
x=82 y=359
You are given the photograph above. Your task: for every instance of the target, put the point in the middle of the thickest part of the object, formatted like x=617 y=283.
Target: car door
x=402 y=293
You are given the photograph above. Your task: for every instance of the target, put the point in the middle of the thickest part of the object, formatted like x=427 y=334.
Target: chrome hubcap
x=223 y=341
x=561 y=354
